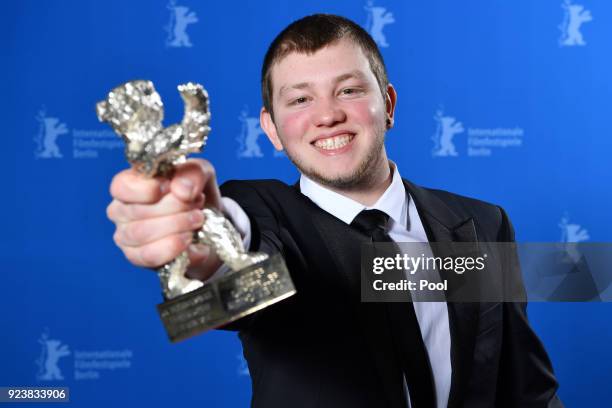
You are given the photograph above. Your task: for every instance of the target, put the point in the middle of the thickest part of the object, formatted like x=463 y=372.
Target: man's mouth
x=334 y=142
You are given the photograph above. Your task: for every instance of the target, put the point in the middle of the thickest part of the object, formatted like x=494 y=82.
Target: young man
x=328 y=104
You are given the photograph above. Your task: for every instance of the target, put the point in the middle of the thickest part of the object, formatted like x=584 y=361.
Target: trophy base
x=229 y=298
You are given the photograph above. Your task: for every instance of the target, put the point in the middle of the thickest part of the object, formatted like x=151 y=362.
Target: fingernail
x=187 y=237
x=196 y=218
x=185 y=187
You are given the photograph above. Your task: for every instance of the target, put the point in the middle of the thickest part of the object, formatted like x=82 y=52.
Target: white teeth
x=333 y=142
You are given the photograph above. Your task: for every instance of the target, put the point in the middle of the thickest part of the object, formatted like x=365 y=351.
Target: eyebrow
x=341 y=78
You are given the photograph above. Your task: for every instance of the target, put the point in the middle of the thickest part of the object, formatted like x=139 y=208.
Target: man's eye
x=350 y=91
x=299 y=101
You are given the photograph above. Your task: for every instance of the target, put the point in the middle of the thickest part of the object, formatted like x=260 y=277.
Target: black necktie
x=409 y=346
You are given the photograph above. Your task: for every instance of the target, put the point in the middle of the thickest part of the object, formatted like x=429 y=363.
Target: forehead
x=331 y=61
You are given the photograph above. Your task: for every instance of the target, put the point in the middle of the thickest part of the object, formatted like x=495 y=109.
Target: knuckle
x=111 y=211
x=206 y=167
x=133 y=256
x=116 y=186
x=131 y=212
x=209 y=169
x=148 y=257
x=200 y=162
x=117 y=238
x=205 y=164
x=122 y=234
x=136 y=232
x=117 y=211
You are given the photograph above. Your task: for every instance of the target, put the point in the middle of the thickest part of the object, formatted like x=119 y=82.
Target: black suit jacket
x=324 y=348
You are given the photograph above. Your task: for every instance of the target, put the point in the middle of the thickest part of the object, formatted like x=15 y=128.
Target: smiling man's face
x=330 y=115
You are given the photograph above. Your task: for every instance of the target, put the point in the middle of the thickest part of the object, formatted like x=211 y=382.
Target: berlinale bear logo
x=575 y=16
x=51 y=351
x=378 y=18
x=447 y=128
x=249 y=134
x=180 y=18
x=49 y=130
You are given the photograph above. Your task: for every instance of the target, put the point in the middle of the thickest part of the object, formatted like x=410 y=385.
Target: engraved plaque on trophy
x=135 y=111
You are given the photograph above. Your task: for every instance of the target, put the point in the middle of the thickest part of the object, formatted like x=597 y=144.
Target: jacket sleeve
x=263 y=219
x=264 y=231
x=526 y=377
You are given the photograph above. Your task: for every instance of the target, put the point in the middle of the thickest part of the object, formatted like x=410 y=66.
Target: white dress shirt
x=405 y=226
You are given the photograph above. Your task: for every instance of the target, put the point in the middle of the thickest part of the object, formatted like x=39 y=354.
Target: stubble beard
x=363 y=176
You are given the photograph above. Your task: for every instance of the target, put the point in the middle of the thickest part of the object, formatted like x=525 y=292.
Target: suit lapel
x=339 y=240
x=342 y=242
x=443 y=225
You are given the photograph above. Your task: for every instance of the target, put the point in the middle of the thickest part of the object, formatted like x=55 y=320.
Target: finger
x=142 y=232
x=160 y=252
x=131 y=187
x=194 y=177
x=204 y=262
x=198 y=254
x=120 y=212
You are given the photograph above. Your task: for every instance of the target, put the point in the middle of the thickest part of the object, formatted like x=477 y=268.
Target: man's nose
x=328 y=113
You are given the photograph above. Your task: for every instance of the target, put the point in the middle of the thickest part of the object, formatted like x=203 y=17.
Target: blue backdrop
x=505 y=101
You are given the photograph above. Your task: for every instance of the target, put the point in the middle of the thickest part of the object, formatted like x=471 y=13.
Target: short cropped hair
x=312 y=33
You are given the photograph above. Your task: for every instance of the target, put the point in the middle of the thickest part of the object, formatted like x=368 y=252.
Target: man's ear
x=266 y=123
x=390 y=102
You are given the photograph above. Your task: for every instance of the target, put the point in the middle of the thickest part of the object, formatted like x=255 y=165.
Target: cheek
x=368 y=112
x=293 y=125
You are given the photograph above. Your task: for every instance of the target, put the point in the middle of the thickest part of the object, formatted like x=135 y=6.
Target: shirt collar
x=393 y=202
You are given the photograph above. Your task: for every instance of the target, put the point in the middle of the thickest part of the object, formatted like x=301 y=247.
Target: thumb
x=194 y=177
